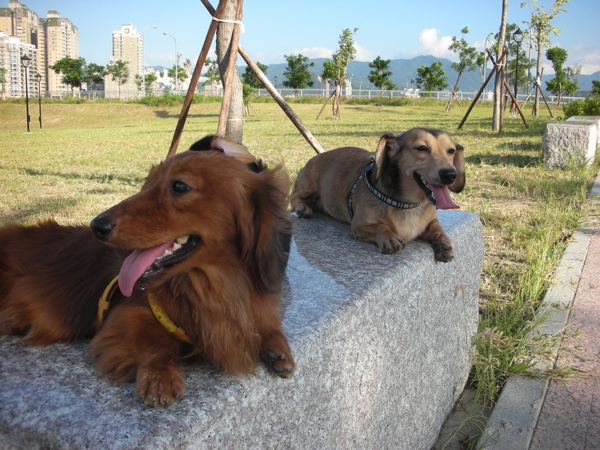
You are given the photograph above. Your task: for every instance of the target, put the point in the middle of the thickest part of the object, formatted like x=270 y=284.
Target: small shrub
x=588 y=107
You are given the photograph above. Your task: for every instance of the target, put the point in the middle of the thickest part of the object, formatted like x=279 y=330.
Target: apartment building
x=44 y=40
x=127 y=46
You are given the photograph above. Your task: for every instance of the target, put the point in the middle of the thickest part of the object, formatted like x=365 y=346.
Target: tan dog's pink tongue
x=442 y=198
x=136 y=264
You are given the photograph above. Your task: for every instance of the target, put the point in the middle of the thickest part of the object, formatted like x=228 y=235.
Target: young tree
x=212 y=71
x=2 y=80
x=94 y=75
x=181 y=74
x=468 y=59
x=541 y=27
x=296 y=73
x=119 y=72
x=561 y=82
x=148 y=80
x=380 y=74
x=335 y=69
x=511 y=65
x=250 y=78
x=431 y=78
x=72 y=70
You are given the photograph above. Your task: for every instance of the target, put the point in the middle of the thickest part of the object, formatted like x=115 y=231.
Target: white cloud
x=313 y=52
x=433 y=44
x=363 y=54
x=587 y=57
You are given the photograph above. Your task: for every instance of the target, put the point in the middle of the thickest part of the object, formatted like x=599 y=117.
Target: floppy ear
x=266 y=229
x=226 y=146
x=389 y=144
x=459 y=165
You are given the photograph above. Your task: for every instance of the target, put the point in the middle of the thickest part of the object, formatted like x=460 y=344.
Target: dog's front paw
x=159 y=386
x=443 y=250
x=278 y=356
x=303 y=211
x=392 y=245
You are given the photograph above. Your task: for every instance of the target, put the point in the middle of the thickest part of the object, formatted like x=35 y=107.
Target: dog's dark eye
x=422 y=148
x=179 y=187
x=451 y=151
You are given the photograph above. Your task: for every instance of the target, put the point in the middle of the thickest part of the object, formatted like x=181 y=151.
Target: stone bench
x=570 y=142
x=382 y=344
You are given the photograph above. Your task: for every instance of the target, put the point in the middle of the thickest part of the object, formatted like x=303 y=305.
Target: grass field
x=91 y=155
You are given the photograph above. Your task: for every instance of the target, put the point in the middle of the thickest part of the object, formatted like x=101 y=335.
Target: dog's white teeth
x=182 y=240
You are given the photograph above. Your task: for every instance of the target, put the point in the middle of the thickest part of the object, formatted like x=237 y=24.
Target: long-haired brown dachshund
x=390 y=197
x=210 y=235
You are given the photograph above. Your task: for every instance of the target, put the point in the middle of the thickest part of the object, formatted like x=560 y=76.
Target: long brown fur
x=327 y=179
x=224 y=294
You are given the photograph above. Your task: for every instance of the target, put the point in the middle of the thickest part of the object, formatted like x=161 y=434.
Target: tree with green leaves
x=525 y=63
x=431 y=78
x=2 y=80
x=148 y=81
x=596 y=88
x=334 y=70
x=212 y=71
x=541 y=27
x=296 y=73
x=119 y=72
x=94 y=75
x=72 y=71
x=380 y=74
x=250 y=78
x=182 y=74
x=561 y=81
x=468 y=59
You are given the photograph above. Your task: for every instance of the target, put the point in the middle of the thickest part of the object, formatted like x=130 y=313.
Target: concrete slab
x=588 y=119
x=382 y=345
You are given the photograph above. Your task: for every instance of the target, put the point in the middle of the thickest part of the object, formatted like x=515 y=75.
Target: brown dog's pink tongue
x=136 y=264
x=442 y=197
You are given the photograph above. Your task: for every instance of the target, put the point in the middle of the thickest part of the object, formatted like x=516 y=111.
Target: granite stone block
x=595 y=120
x=567 y=143
x=382 y=344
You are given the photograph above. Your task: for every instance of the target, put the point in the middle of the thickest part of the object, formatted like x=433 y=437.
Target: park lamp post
x=517 y=37
x=25 y=60
x=144 y=57
x=176 y=60
x=39 y=80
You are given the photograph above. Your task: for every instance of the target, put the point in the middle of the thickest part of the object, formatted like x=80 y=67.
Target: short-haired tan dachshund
x=388 y=197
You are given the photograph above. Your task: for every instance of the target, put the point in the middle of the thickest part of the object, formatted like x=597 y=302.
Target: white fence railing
x=487 y=95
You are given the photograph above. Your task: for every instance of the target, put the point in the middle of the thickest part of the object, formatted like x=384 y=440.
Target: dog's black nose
x=447 y=176
x=102 y=226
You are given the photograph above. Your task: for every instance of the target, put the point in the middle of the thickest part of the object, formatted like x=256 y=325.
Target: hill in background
x=404 y=70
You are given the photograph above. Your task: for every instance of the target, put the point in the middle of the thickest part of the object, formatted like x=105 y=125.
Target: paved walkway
x=570 y=415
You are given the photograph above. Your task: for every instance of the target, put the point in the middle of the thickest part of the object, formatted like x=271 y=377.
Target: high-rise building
x=44 y=40
x=59 y=39
x=127 y=46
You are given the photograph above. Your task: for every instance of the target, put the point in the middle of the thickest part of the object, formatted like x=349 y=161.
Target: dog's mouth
x=437 y=195
x=147 y=263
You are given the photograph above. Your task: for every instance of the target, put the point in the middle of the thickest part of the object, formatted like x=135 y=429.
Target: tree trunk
x=449 y=105
x=235 y=122
x=538 y=77
x=497 y=117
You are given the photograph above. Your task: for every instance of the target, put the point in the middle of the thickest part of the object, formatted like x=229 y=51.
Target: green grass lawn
x=91 y=155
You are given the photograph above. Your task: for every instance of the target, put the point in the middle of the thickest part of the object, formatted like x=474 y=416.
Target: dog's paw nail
x=272 y=355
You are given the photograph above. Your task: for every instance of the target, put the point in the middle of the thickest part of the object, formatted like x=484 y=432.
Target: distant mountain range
x=404 y=70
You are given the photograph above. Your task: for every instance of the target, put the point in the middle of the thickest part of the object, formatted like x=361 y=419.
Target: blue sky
x=391 y=29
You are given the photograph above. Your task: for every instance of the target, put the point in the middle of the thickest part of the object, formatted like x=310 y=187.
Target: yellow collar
x=159 y=314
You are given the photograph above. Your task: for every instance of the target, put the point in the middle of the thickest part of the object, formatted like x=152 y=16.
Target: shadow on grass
x=513 y=159
x=50 y=205
x=164 y=114
x=103 y=178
